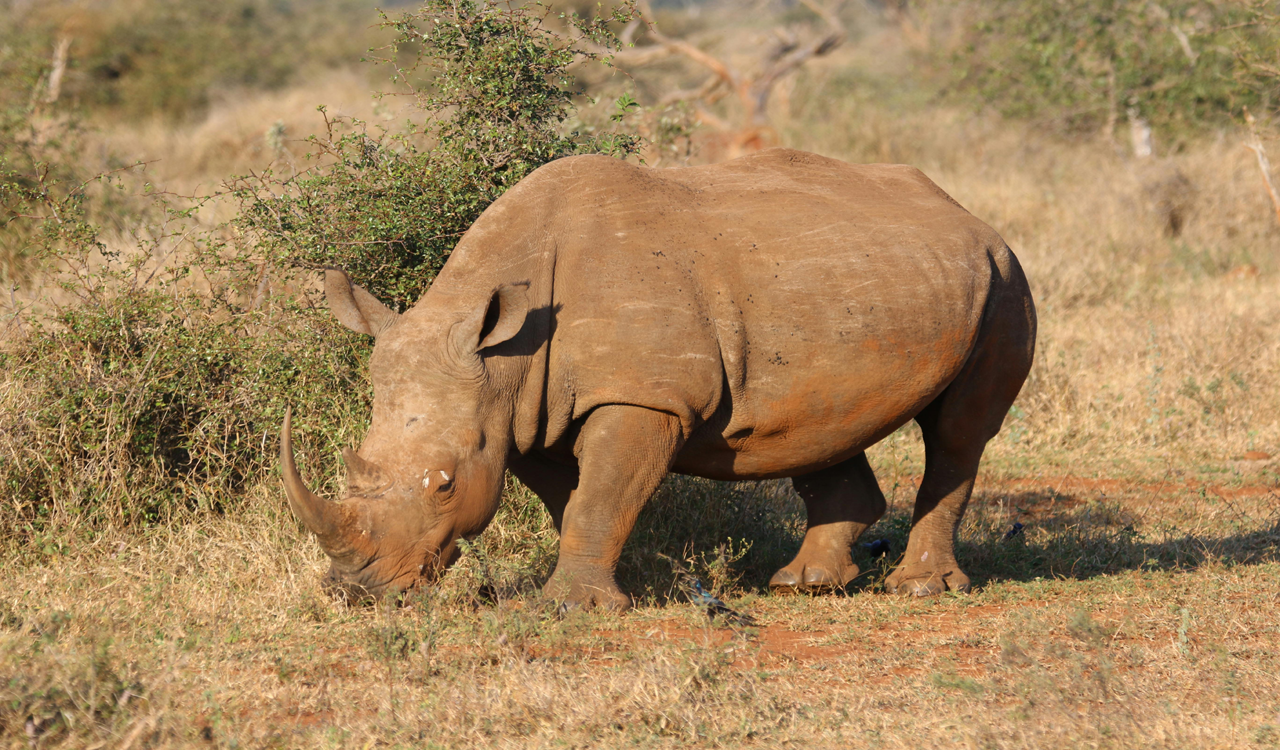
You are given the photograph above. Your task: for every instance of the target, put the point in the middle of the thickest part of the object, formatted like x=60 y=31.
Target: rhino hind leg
x=929 y=564
x=956 y=427
x=841 y=502
x=623 y=454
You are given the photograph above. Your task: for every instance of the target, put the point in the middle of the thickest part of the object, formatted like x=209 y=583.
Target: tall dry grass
x=247 y=130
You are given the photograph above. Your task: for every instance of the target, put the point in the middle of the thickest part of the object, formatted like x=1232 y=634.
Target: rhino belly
x=796 y=425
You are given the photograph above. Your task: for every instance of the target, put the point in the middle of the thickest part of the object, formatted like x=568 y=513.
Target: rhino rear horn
x=330 y=522
x=354 y=307
x=361 y=474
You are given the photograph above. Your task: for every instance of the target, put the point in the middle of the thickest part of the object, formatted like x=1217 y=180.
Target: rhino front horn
x=328 y=521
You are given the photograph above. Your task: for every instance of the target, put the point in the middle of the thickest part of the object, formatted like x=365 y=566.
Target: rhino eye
x=435 y=480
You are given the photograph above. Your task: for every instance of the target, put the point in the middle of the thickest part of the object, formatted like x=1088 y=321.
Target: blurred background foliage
x=1083 y=65
x=1189 y=63
x=147 y=58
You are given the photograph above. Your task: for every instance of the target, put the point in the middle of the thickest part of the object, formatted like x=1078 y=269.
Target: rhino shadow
x=1065 y=536
x=539 y=326
x=741 y=532
x=732 y=535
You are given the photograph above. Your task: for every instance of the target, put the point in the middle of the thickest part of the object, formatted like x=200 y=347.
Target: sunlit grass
x=1104 y=621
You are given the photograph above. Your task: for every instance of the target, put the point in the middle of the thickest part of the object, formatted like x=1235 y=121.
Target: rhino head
x=430 y=471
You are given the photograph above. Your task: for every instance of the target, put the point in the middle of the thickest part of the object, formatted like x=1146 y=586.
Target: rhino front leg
x=623 y=454
x=841 y=501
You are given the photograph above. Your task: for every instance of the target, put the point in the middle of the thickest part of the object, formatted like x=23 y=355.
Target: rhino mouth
x=349 y=592
x=360 y=573
x=365 y=586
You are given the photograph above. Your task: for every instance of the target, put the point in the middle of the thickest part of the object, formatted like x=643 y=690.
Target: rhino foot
x=584 y=592
x=812 y=577
x=924 y=580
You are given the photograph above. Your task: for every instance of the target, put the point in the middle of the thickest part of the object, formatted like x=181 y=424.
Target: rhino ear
x=354 y=307
x=497 y=321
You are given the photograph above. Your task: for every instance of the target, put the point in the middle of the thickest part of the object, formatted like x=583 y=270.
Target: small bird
x=703 y=598
x=1011 y=533
x=878 y=548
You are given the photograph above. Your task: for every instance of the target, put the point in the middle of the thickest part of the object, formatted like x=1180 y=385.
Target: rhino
x=602 y=324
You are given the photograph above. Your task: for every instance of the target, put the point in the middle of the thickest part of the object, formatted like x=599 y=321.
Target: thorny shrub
x=492 y=82
x=152 y=400
x=159 y=379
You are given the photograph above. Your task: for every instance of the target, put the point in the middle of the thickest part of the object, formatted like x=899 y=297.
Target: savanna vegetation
x=172 y=174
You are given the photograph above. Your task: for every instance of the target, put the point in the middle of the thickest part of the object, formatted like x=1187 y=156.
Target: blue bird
x=878 y=548
x=703 y=598
x=1011 y=533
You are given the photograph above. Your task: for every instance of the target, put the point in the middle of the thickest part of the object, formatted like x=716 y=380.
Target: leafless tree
x=751 y=130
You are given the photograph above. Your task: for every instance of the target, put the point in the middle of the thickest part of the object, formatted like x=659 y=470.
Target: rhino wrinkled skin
x=602 y=324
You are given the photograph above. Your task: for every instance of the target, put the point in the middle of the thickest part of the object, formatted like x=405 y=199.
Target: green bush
x=389 y=207
x=1084 y=64
x=153 y=400
x=153 y=390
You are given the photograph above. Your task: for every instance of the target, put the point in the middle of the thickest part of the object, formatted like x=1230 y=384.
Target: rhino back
x=789 y=309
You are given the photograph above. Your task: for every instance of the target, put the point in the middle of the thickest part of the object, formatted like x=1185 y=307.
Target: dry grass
x=247 y=130
x=213 y=633
x=1137 y=609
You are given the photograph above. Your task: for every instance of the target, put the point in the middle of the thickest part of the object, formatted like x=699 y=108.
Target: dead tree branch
x=1264 y=164
x=58 y=67
x=752 y=91
x=764 y=83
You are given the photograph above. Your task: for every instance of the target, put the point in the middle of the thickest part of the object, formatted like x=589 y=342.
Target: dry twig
x=1264 y=164
x=752 y=91
x=58 y=69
